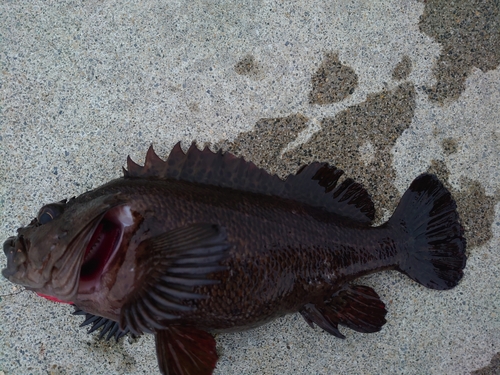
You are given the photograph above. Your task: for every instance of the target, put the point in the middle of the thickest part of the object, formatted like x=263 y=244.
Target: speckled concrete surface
x=83 y=86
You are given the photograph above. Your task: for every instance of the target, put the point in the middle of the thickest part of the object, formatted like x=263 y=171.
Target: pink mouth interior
x=102 y=247
x=99 y=249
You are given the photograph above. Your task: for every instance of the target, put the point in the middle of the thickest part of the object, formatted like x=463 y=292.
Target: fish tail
x=434 y=251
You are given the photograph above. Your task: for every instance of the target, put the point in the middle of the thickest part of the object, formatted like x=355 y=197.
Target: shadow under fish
x=206 y=242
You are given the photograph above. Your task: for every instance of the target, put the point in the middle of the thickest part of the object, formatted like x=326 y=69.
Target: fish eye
x=49 y=213
x=45 y=217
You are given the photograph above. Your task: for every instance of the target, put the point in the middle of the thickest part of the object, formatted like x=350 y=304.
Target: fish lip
x=9 y=247
x=15 y=250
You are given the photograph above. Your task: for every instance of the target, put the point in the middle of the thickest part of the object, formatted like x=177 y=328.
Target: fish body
x=283 y=254
x=206 y=242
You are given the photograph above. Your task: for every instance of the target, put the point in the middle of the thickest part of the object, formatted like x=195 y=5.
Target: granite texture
x=469 y=32
x=385 y=89
x=333 y=81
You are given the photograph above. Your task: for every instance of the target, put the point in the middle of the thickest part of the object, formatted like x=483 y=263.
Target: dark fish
x=207 y=242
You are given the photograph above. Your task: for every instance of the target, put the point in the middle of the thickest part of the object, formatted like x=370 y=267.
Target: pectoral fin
x=169 y=268
x=355 y=306
x=185 y=351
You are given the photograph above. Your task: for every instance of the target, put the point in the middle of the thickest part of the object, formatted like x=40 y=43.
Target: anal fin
x=185 y=351
x=355 y=306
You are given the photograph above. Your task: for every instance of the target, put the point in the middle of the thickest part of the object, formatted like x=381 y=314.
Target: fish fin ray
x=98 y=324
x=434 y=252
x=351 y=200
x=112 y=332
x=90 y=319
x=108 y=326
x=355 y=306
x=312 y=314
x=314 y=184
x=171 y=266
x=185 y=351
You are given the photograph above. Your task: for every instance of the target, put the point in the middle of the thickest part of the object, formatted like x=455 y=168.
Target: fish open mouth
x=103 y=245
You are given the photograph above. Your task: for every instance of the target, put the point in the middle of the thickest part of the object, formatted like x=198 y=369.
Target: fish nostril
x=19 y=257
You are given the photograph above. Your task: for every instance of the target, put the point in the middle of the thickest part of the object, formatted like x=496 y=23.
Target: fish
x=206 y=242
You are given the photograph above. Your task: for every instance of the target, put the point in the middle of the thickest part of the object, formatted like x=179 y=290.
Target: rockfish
x=206 y=242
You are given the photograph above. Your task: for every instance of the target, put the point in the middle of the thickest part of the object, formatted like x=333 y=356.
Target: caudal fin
x=434 y=253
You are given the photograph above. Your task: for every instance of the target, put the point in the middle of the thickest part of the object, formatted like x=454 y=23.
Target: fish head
x=51 y=255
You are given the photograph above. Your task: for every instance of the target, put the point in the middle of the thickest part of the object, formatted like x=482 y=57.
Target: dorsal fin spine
x=314 y=184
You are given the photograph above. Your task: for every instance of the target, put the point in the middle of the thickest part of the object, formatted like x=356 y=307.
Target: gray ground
x=384 y=89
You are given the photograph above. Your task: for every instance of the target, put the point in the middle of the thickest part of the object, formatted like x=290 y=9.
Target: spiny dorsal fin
x=314 y=184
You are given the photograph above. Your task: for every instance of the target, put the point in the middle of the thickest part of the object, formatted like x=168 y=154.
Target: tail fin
x=434 y=255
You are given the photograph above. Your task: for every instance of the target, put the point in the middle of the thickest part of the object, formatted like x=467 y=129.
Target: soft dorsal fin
x=314 y=184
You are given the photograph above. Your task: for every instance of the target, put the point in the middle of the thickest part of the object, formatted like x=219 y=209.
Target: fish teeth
x=94 y=248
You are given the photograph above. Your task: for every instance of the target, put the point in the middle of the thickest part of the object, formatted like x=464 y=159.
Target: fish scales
x=295 y=248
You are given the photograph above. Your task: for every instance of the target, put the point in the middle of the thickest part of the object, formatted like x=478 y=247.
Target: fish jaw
x=15 y=251
x=103 y=246
x=46 y=257
x=47 y=275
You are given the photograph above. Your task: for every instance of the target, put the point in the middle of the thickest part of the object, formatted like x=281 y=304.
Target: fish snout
x=16 y=255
